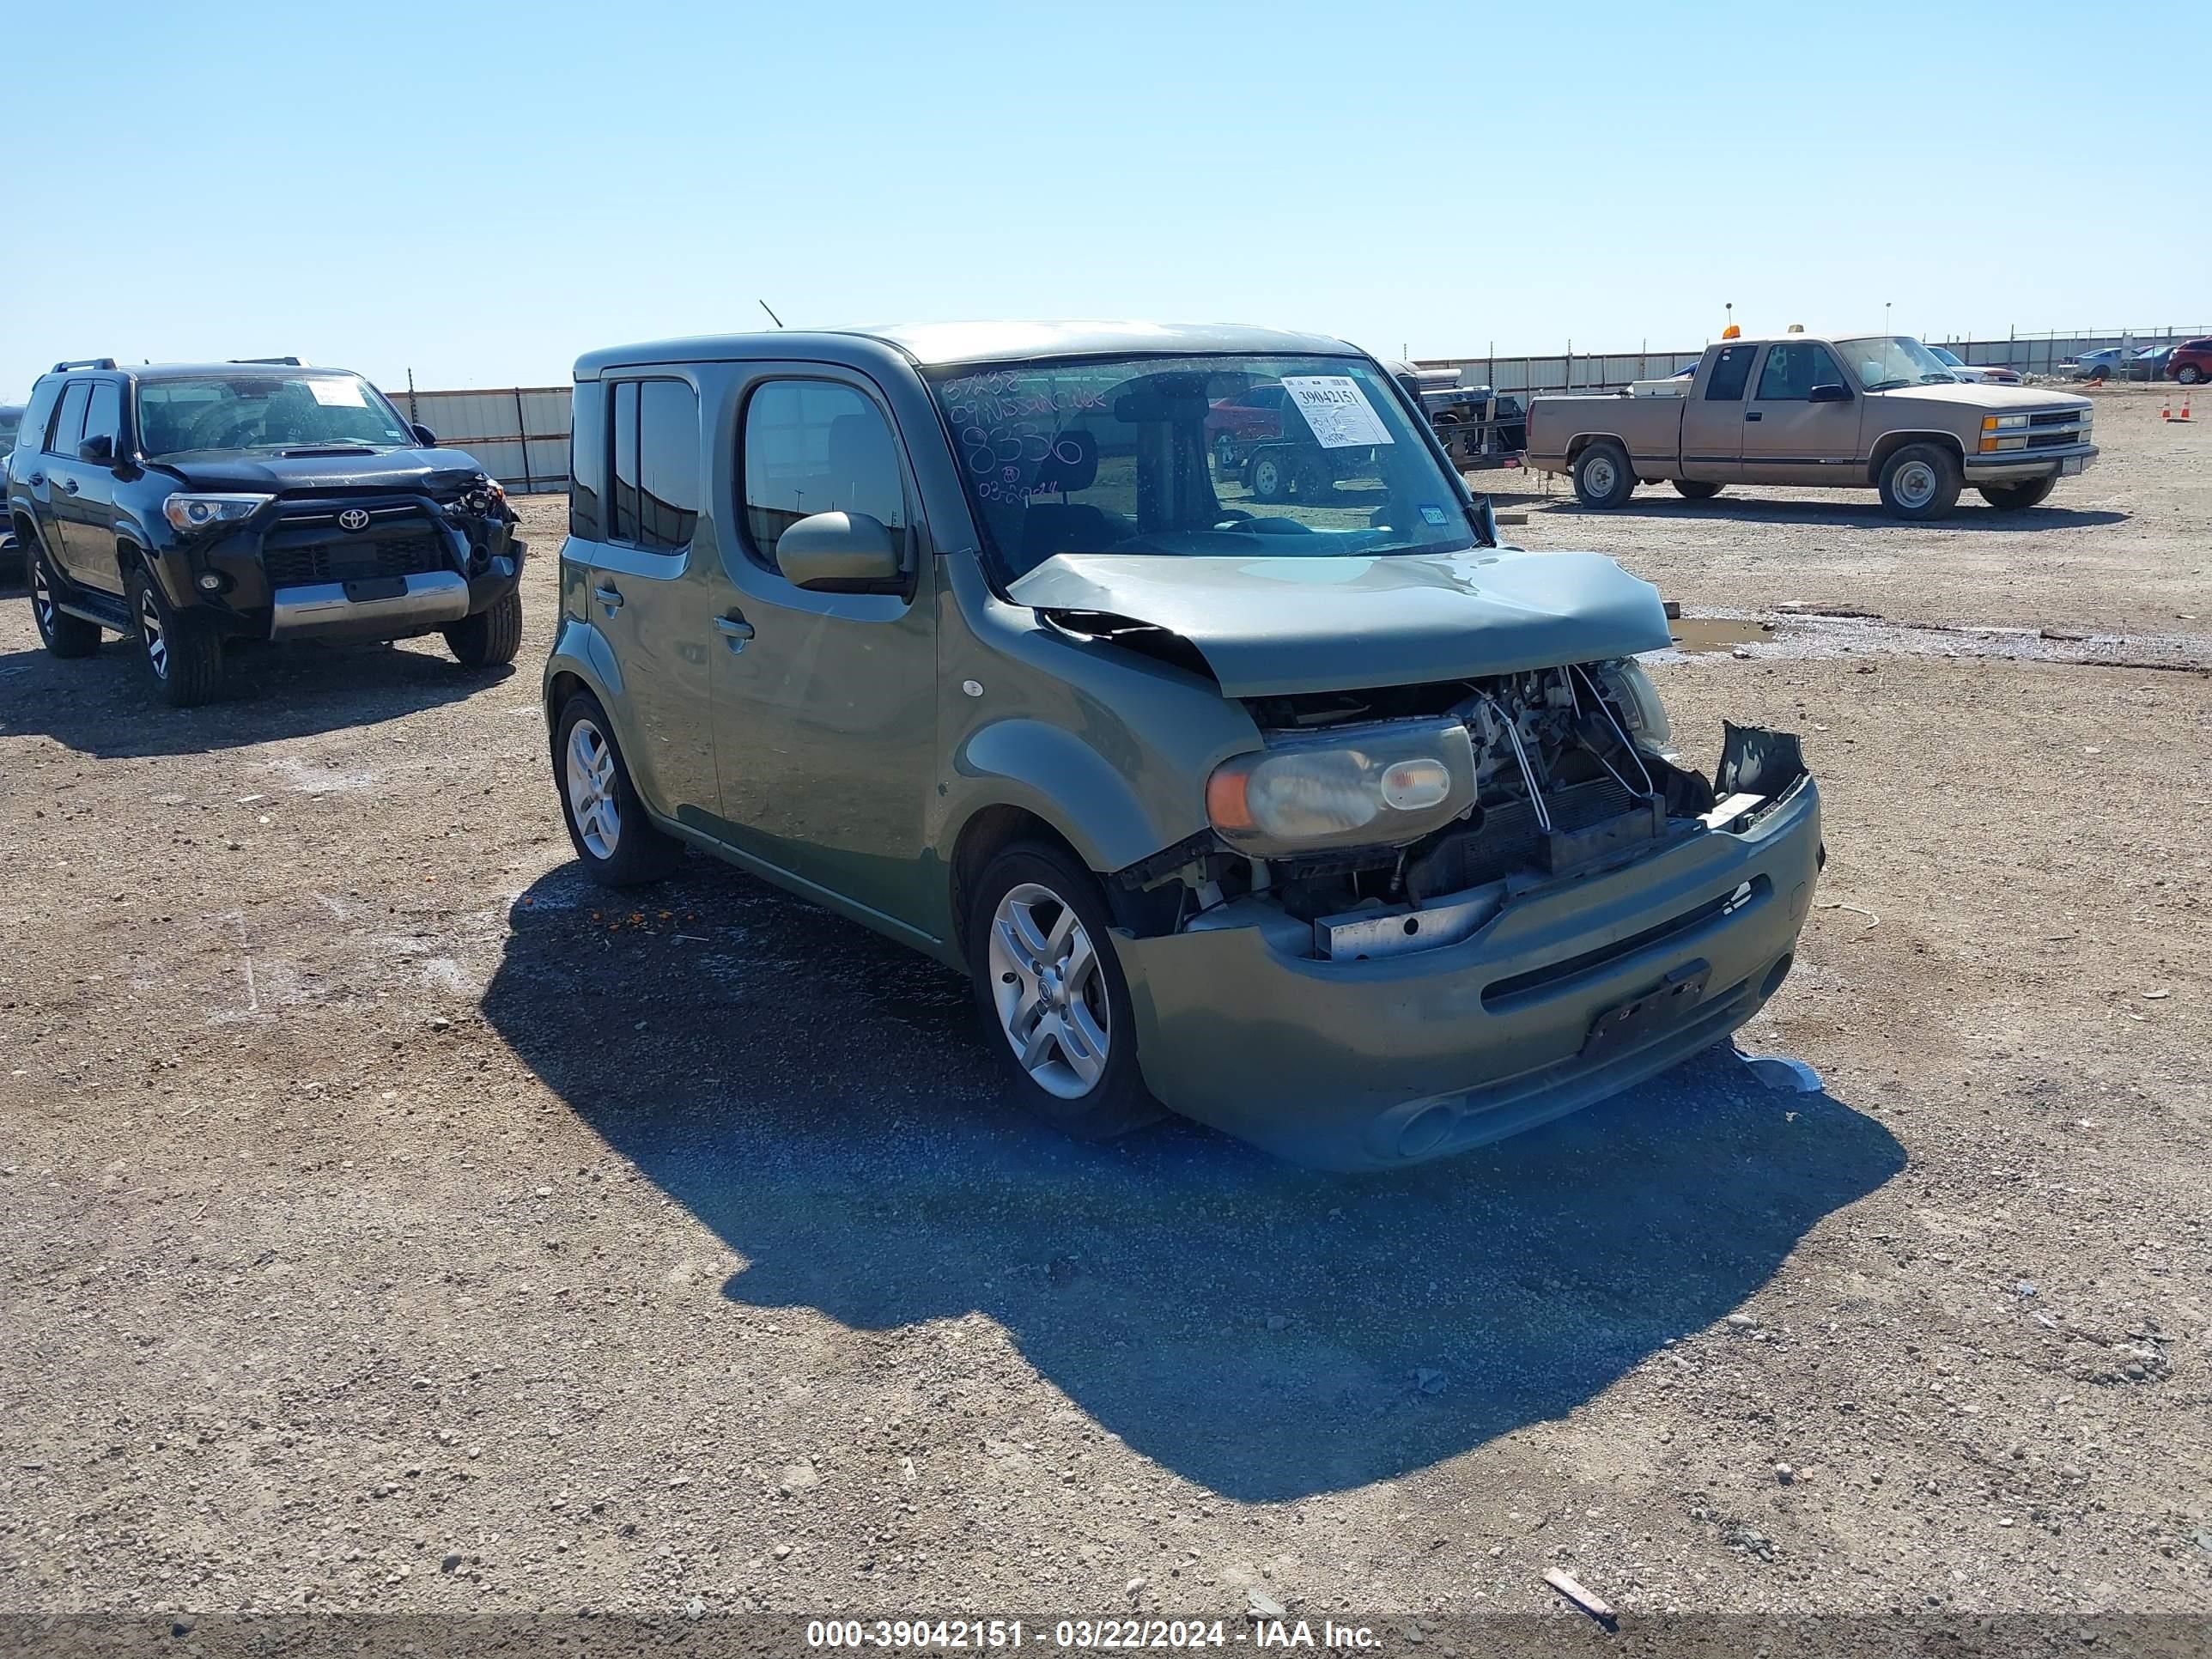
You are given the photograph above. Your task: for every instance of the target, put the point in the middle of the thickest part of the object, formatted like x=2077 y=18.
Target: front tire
x=63 y=634
x=2011 y=498
x=618 y=844
x=1920 y=482
x=180 y=653
x=491 y=637
x=1603 y=478
x=1049 y=986
x=1696 y=489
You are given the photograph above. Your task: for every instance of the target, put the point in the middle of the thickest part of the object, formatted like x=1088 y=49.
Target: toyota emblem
x=354 y=518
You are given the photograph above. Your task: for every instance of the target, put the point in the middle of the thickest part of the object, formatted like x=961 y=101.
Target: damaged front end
x=1380 y=823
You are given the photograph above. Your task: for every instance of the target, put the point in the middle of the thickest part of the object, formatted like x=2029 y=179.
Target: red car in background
x=1234 y=424
x=2191 y=362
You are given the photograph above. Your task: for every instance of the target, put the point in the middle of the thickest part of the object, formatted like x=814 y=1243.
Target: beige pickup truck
x=1873 y=412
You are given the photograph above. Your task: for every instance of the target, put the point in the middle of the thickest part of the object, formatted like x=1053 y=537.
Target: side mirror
x=839 y=552
x=424 y=436
x=100 y=451
x=1828 y=394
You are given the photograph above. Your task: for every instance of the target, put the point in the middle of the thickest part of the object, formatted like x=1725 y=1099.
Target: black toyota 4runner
x=191 y=507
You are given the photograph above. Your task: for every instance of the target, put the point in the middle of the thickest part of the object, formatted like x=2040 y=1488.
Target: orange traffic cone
x=2184 y=407
x=2166 y=409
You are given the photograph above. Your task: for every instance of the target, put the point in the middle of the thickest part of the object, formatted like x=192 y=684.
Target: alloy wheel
x=1050 y=991
x=43 y=608
x=152 y=634
x=591 y=782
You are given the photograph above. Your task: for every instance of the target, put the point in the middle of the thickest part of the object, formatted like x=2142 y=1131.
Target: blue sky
x=481 y=192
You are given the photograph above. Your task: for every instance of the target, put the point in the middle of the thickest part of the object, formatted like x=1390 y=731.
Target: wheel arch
x=1582 y=441
x=1890 y=442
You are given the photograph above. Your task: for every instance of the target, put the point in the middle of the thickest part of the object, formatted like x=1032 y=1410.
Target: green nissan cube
x=1167 y=682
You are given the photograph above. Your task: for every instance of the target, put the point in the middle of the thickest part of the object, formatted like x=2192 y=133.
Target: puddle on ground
x=1696 y=635
x=1841 y=633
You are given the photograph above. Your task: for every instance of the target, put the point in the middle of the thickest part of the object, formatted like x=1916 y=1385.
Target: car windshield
x=1188 y=456
x=266 y=411
x=1949 y=359
x=1887 y=361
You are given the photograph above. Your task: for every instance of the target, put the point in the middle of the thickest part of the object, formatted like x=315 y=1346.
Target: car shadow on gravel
x=1973 y=513
x=825 y=1102
x=106 y=706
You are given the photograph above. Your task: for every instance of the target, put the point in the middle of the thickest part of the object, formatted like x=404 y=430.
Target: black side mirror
x=424 y=436
x=100 y=451
x=1828 y=394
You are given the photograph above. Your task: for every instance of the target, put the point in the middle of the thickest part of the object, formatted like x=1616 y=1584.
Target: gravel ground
x=395 y=1223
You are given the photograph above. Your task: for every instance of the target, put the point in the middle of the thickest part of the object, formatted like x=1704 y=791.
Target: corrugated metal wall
x=2040 y=354
x=521 y=435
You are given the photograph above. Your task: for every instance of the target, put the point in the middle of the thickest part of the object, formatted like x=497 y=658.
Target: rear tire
x=619 y=845
x=491 y=637
x=2188 y=374
x=1037 y=912
x=1603 y=478
x=2011 y=498
x=179 y=652
x=1696 y=490
x=1920 y=482
x=63 y=634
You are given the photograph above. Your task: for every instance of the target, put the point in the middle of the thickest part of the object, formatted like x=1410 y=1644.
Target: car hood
x=1270 y=627
x=1988 y=396
x=301 y=474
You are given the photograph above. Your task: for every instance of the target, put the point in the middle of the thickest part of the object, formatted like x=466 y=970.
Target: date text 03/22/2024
x=954 y=1635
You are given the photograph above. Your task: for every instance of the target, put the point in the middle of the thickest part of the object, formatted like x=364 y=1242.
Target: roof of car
x=931 y=343
x=204 y=371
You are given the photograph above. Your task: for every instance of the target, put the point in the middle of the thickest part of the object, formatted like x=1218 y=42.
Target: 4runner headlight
x=1358 y=786
x=205 y=512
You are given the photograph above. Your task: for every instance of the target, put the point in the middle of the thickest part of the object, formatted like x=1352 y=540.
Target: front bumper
x=1375 y=1064
x=2025 y=465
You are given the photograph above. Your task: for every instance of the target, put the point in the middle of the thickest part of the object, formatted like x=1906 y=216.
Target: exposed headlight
x=2004 y=422
x=1638 y=700
x=1365 y=785
x=204 y=511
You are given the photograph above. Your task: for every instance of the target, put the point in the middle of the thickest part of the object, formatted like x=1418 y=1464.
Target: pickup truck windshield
x=1188 y=456
x=266 y=411
x=1886 y=361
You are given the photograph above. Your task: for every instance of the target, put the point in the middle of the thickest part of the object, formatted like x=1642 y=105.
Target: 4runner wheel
x=1920 y=482
x=491 y=637
x=2011 y=498
x=1696 y=489
x=1051 y=990
x=63 y=634
x=1602 y=476
x=1271 y=479
x=183 y=654
x=619 y=845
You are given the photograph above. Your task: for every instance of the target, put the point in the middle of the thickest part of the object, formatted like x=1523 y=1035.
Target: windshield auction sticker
x=337 y=394
x=1337 y=410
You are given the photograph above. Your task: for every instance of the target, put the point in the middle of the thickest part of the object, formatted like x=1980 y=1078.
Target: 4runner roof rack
x=84 y=362
x=285 y=362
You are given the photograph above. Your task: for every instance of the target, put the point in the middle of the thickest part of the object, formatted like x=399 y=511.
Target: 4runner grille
x=353 y=560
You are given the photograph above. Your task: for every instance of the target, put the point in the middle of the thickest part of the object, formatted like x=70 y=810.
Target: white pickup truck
x=1875 y=412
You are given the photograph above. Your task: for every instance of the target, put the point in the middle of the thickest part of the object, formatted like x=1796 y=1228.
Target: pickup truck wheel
x=1602 y=476
x=619 y=845
x=491 y=637
x=2011 y=498
x=1920 y=482
x=1696 y=490
x=1271 y=479
x=182 y=653
x=63 y=634
x=1050 y=987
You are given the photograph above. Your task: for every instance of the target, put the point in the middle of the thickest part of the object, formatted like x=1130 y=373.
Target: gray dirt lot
x=394 y=1223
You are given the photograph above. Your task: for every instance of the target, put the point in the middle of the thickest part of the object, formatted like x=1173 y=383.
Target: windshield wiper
x=1889 y=385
